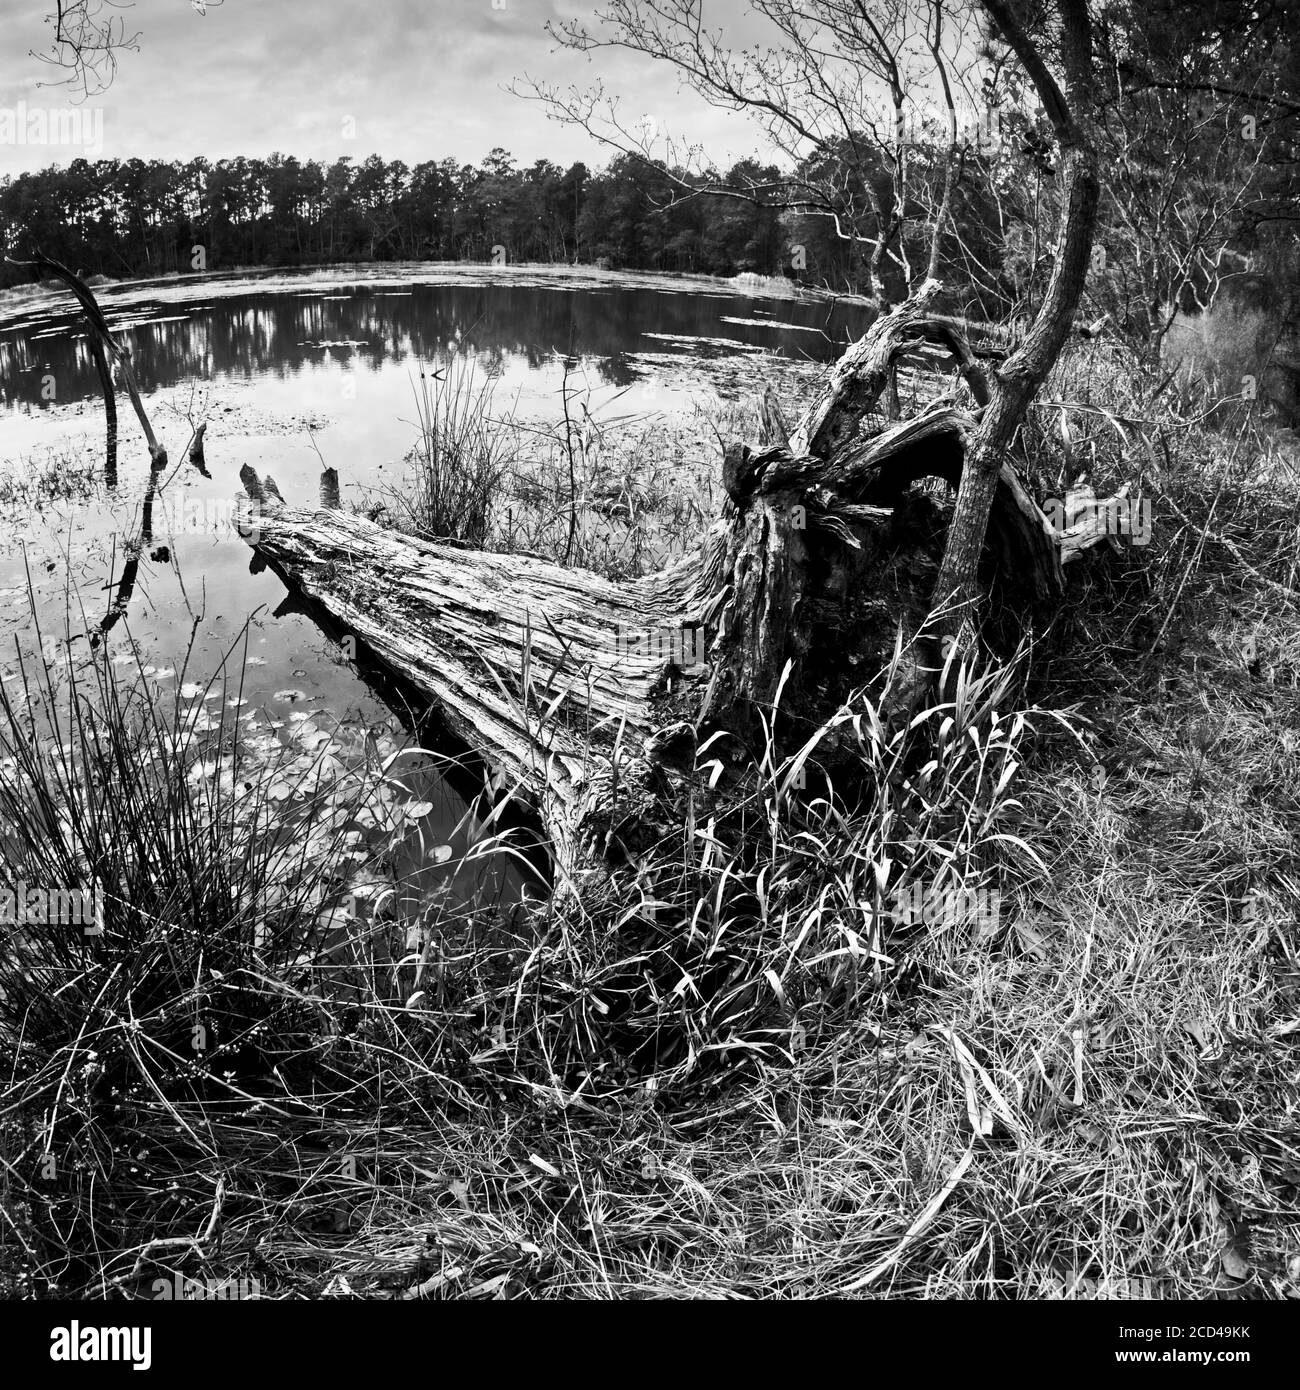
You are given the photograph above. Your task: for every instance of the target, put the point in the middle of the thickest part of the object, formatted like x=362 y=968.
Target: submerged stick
x=112 y=350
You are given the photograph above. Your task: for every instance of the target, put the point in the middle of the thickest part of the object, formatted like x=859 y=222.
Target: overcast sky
x=420 y=80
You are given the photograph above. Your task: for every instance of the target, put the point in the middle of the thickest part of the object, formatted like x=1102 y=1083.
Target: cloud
x=420 y=80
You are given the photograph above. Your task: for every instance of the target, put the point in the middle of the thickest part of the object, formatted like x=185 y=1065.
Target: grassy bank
x=1088 y=1091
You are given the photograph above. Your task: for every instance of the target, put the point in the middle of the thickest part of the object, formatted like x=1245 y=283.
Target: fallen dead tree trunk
x=592 y=697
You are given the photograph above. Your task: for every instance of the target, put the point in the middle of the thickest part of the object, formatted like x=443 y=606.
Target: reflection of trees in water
x=252 y=335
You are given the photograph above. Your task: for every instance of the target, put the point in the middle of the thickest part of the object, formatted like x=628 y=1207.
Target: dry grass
x=1091 y=1094
x=461 y=457
x=40 y=482
x=634 y=499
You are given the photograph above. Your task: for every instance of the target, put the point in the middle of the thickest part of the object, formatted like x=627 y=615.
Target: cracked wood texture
x=818 y=558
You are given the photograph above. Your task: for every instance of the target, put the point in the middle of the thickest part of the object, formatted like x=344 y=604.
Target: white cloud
x=422 y=78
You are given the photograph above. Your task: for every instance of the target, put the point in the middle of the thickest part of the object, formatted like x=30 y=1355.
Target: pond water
x=292 y=370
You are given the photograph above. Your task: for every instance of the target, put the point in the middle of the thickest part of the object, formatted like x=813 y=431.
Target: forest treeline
x=1198 y=220
x=135 y=217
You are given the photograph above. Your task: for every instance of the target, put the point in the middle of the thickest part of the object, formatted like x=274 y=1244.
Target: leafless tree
x=85 y=38
x=874 y=107
x=820 y=90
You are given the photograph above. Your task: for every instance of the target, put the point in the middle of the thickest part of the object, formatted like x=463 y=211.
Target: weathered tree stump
x=592 y=697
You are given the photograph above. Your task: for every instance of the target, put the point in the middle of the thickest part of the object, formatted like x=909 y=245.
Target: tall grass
x=244 y=973
x=734 y=1069
x=211 y=1067
x=780 y=924
x=1220 y=349
x=462 y=454
x=620 y=494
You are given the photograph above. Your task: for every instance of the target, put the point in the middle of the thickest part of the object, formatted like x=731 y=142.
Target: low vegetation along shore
x=1070 y=1072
